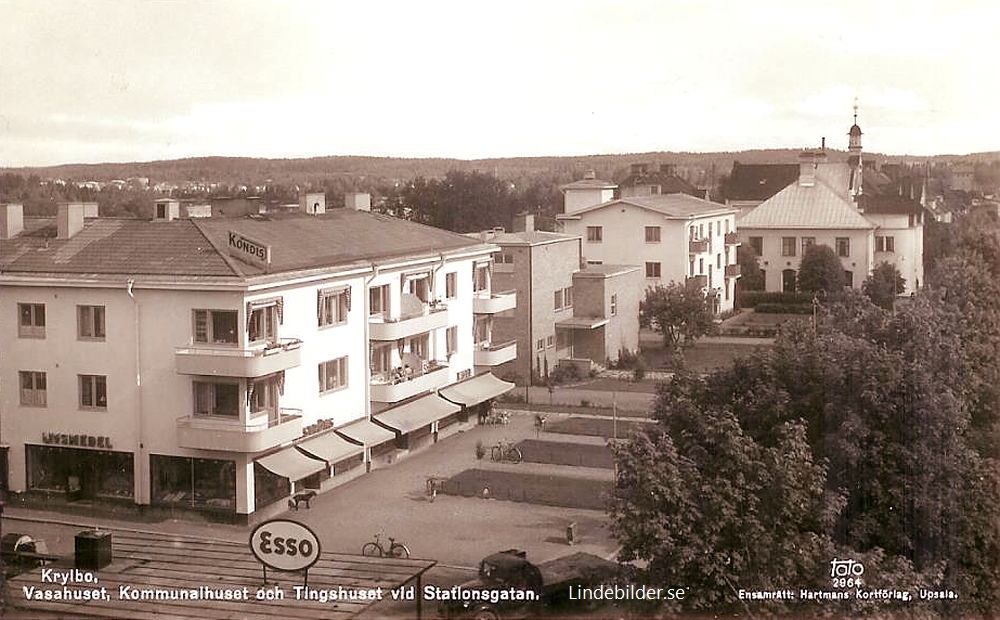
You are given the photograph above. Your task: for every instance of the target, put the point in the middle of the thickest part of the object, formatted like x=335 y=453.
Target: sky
x=87 y=81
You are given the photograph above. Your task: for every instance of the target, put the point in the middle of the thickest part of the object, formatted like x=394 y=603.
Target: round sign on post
x=284 y=545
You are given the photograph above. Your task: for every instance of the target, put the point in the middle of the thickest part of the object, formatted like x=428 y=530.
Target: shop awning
x=582 y=322
x=367 y=432
x=292 y=464
x=476 y=390
x=421 y=412
x=330 y=447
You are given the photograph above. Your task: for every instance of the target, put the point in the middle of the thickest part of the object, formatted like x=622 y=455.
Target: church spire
x=854 y=155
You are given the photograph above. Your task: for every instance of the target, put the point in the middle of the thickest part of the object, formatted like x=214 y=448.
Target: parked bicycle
x=506 y=451
x=378 y=550
x=497 y=416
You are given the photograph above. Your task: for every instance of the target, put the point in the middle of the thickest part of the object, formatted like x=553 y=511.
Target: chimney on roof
x=822 y=143
x=69 y=219
x=359 y=201
x=166 y=209
x=313 y=203
x=524 y=222
x=11 y=220
x=808 y=161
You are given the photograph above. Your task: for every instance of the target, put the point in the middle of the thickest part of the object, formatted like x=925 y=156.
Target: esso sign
x=284 y=545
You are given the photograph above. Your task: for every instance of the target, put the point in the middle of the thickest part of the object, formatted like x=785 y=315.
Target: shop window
x=269 y=487
x=33 y=388
x=333 y=375
x=85 y=473
x=216 y=399
x=192 y=483
x=90 y=322
x=215 y=326
x=31 y=320
x=93 y=392
x=333 y=306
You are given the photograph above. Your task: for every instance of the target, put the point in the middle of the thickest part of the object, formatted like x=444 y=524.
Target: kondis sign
x=248 y=250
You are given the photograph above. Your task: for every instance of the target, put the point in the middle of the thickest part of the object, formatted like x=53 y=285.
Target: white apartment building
x=222 y=364
x=672 y=237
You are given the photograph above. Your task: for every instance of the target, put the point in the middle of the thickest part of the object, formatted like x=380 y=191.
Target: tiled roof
x=759 y=181
x=678 y=206
x=198 y=247
x=816 y=206
x=891 y=204
x=669 y=183
x=534 y=237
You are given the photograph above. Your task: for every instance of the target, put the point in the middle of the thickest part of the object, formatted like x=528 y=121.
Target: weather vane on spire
x=855 y=110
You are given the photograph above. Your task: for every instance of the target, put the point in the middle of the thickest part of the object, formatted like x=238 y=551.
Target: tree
x=680 y=312
x=820 y=270
x=751 y=277
x=882 y=286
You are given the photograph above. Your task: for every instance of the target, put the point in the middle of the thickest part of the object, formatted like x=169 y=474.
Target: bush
x=769 y=308
x=639 y=371
x=480 y=450
x=751 y=299
x=626 y=360
x=564 y=374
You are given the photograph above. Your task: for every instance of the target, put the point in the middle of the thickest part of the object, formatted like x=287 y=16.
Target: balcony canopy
x=367 y=432
x=476 y=390
x=582 y=322
x=292 y=464
x=330 y=447
x=415 y=414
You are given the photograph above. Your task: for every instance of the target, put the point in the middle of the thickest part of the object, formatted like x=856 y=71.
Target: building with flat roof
x=225 y=364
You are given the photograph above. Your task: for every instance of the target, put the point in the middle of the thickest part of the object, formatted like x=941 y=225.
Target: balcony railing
x=399 y=384
x=733 y=271
x=494 y=303
x=699 y=281
x=487 y=354
x=732 y=238
x=697 y=246
x=231 y=435
x=226 y=361
x=416 y=317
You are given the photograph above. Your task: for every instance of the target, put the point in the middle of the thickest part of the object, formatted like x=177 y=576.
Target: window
x=451 y=339
x=550 y=341
x=93 y=392
x=482 y=327
x=652 y=270
x=718 y=260
x=216 y=399
x=843 y=246
x=481 y=278
x=849 y=279
x=563 y=338
x=568 y=297
x=701 y=266
x=451 y=285
x=333 y=375
x=595 y=234
x=263 y=395
x=419 y=287
x=614 y=305
x=333 y=306
x=31 y=321
x=806 y=242
x=540 y=345
x=215 y=326
x=381 y=358
x=557 y=299
x=378 y=300
x=718 y=227
x=885 y=244
x=161 y=211
x=90 y=322
x=505 y=258
x=33 y=388
x=263 y=324
x=757 y=243
x=788 y=246
x=652 y=234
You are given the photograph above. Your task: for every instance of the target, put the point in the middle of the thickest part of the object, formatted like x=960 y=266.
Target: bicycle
x=376 y=549
x=506 y=451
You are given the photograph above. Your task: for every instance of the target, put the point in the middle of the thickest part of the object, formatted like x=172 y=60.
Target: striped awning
x=330 y=447
x=366 y=432
x=292 y=464
x=421 y=412
x=476 y=390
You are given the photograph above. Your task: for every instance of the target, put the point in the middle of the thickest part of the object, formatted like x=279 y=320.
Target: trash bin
x=570 y=533
x=12 y=543
x=93 y=549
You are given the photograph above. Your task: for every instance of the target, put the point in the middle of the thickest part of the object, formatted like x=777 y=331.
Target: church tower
x=854 y=156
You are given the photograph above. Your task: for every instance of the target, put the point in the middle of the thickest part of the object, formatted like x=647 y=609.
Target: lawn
x=530 y=488
x=560 y=453
x=596 y=427
x=704 y=356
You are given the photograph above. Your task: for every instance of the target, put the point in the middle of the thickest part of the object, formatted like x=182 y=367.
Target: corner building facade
x=222 y=365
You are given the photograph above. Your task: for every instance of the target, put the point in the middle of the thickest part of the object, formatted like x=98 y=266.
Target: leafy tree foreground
x=870 y=437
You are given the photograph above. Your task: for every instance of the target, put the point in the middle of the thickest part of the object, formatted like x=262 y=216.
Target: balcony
x=732 y=238
x=225 y=361
x=698 y=281
x=495 y=354
x=494 y=303
x=697 y=246
x=416 y=317
x=733 y=271
x=230 y=435
x=396 y=385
